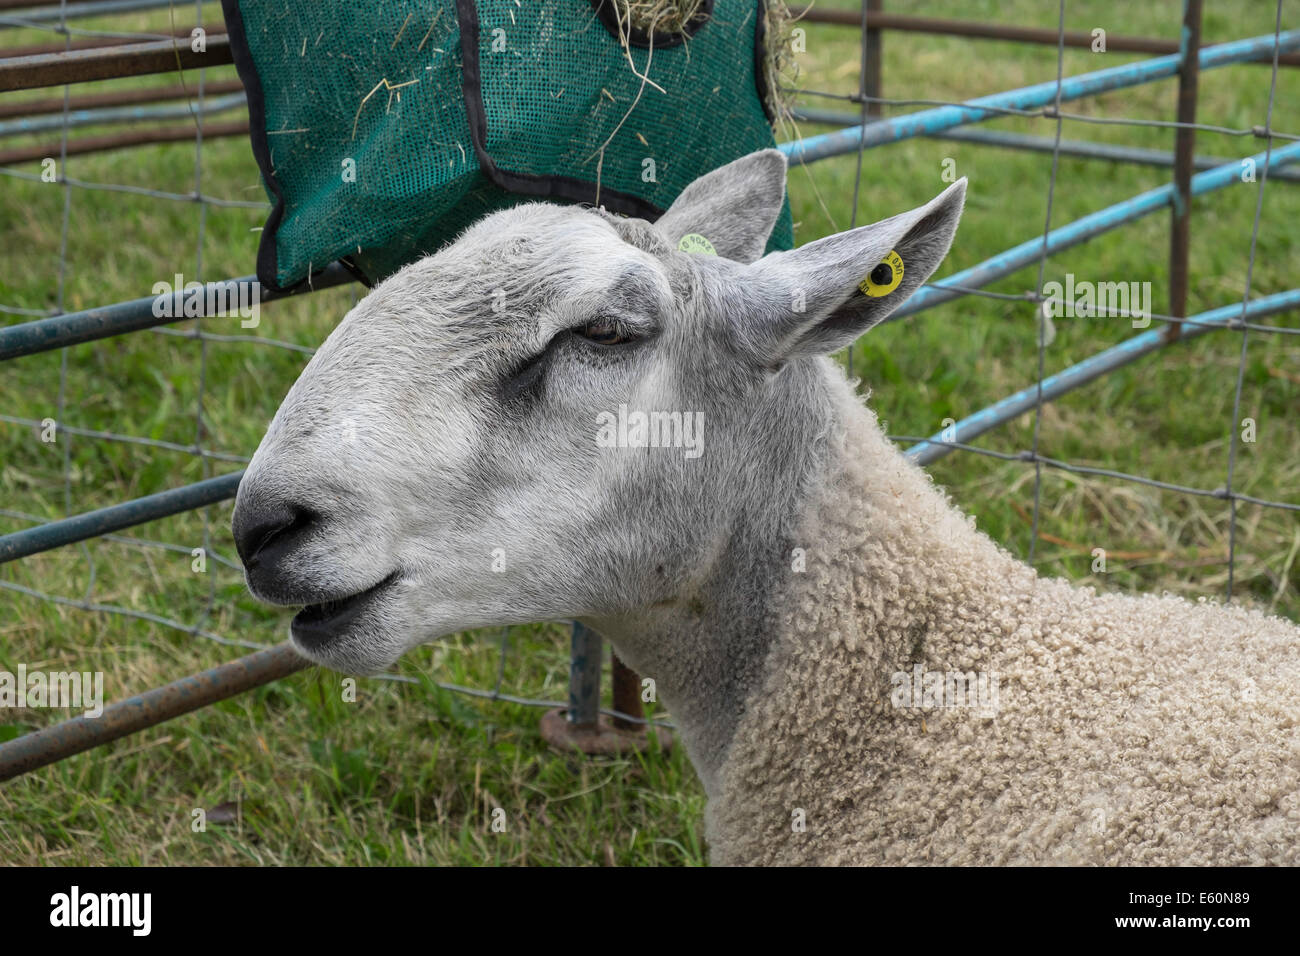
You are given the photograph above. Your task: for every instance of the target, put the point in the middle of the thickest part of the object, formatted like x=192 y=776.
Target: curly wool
x=1130 y=730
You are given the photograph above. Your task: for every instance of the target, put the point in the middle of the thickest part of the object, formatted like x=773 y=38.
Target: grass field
x=411 y=773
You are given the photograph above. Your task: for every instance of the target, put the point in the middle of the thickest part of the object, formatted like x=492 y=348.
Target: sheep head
x=561 y=414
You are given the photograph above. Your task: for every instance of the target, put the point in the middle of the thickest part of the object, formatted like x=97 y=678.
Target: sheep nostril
x=254 y=536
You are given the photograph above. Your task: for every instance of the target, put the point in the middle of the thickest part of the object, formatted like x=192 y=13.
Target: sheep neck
x=889 y=562
x=710 y=652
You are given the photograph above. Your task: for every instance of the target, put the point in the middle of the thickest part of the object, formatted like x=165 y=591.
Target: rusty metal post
x=627 y=693
x=1184 y=165
x=50 y=744
x=871 y=42
x=983 y=30
x=109 y=63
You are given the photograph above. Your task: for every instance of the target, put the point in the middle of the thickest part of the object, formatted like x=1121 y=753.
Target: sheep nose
x=265 y=532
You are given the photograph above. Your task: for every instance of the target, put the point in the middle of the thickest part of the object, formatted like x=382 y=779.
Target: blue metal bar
x=1083 y=149
x=941 y=118
x=120 y=114
x=1104 y=220
x=88 y=8
x=43 y=537
x=584 y=676
x=73 y=328
x=1054 y=386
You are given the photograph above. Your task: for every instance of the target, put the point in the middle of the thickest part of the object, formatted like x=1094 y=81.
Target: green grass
x=412 y=774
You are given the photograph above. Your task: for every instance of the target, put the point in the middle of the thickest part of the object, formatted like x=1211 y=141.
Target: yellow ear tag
x=885 y=277
x=694 y=242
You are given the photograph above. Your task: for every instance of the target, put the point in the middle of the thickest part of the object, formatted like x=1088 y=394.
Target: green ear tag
x=885 y=277
x=694 y=242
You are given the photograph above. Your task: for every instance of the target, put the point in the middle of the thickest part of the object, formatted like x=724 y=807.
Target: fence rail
x=886 y=22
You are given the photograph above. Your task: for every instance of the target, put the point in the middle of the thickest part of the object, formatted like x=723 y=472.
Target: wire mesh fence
x=56 y=327
x=1043 y=102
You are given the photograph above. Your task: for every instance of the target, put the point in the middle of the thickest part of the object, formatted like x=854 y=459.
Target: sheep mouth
x=316 y=624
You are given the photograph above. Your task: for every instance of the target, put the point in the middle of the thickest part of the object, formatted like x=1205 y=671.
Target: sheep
x=858 y=674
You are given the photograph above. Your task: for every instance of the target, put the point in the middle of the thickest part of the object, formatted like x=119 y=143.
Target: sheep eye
x=605 y=331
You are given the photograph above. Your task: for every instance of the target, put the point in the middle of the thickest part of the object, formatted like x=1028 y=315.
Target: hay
x=781 y=70
x=658 y=17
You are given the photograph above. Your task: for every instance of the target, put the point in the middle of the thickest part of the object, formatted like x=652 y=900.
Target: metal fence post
x=581 y=725
x=1184 y=165
x=584 y=677
x=871 y=65
x=627 y=696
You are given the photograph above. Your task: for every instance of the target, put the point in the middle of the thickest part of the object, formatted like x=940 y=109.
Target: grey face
x=551 y=418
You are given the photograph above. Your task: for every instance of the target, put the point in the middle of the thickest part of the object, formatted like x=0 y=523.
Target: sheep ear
x=820 y=297
x=734 y=207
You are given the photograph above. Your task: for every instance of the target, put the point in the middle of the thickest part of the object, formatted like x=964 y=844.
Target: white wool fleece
x=1129 y=730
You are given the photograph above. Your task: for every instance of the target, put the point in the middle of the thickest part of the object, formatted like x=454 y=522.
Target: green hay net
x=385 y=128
